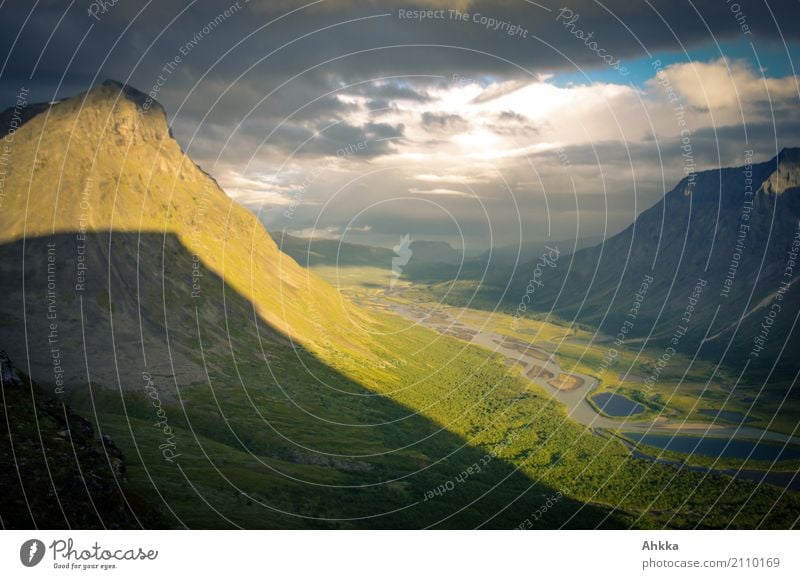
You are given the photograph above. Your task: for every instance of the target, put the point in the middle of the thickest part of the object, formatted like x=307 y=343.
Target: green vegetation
x=57 y=472
x=682 y=389
x=468 y=408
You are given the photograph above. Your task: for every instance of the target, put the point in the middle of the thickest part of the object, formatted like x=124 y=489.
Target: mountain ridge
x=713 y=230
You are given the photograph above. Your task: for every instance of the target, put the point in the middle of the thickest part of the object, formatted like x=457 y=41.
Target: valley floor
x=540 y=365
x=693 y=402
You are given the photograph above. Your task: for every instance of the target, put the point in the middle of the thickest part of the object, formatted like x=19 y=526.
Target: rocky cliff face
x=57 y=472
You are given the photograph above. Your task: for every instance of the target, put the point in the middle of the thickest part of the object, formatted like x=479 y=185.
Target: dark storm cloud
x=242 y=104
x=388 y=91
x=290 y=140
x=367 y=141
x=265 y=52
x=168 y=25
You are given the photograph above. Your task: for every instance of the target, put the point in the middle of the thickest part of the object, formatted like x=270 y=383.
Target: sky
x=473 y=122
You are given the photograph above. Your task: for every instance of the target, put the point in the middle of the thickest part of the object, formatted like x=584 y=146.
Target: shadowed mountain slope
x=734 y=232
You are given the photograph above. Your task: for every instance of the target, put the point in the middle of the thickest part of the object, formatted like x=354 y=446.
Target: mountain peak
x=107 y=93
x=115 y=141
x=789 y=155
x=118 y=108
x=114 y=84
x=115 y=88
x=787 y=173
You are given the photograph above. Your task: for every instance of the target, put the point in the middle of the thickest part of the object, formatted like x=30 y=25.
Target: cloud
x=444 y=121
x=335 y=140
x=453 y=178
x=501 y=89
x=440 y=192
x=725 y=86
x=390 y=90
x=330 y=232
x=515 y=124
x=306 y=38
x=257 y=190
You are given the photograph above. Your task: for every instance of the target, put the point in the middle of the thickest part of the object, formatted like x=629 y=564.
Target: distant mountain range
x=517 y=254
x=310 y=252
x=431 y=261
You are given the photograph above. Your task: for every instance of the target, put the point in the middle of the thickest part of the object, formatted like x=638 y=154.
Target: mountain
x=520 y=253
x=312 y=252
x=429 y=261
x=714 y=263
x=101 y=206
x=424 y=251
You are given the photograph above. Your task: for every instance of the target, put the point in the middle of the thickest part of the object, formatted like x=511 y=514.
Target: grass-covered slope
x=57 y=473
